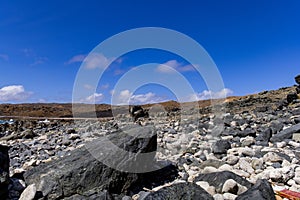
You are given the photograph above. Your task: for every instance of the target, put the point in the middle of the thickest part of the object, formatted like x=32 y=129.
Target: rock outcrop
x=80 y=171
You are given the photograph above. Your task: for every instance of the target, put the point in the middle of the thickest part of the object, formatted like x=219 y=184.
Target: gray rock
x=262 y=190
x=80 y=171
x=285 y=134
x=29 y=193
x=221 y=147
x=4 y=171
x=179 y=191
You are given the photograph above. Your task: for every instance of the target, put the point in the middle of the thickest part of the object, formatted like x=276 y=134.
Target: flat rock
x=81 y=171
x=221 y=147
x=179 y=191
x=285 y=134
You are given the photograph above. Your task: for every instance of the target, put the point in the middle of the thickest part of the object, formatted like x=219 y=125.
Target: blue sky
x=255 y=45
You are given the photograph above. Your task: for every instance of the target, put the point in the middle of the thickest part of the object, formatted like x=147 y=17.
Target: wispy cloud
x=172 y=65
x=13 y=93
x=206 y=94
x=39 y=61
x=92 y=99
x=4 y=57
x=125 y=97
x=93 y=60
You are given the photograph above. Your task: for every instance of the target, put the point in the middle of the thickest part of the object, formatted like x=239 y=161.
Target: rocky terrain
x=241 y=148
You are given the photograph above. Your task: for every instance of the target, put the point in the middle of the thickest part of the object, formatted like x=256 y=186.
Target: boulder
x=137 y=112
x=179 y=191
x=285 y=134
x=221 y=147
x=291 y=97
x=84 y=168
x=217 y=179
x=261 y=190
x=297 y=79
x=4 y=171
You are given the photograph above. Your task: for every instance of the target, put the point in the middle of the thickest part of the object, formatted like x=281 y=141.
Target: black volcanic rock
x=217 y=179
x=297 y=79
x=81 y=171
x=221 y=147
x=285 y=134
x=179 y=191
x=4 y=171
x=262 y=190
x=291 y=97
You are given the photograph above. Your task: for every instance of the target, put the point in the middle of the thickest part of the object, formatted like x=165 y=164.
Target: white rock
x=229 y=196
x=230 y=186
x=247 y=151
x=218 y=197
x=211 y=190
x=294 y=144
x=276 y=174
x=257 y=163
x=281 y=144
x=203 y=184
x=245 y=166
x=272 y=157
x=241 y=173
x=209 y=169
x=28 y=193
x=232 y=160
x=225 y=167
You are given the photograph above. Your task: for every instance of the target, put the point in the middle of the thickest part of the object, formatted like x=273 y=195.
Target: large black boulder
x=83 y=170
x=4 y=171
x=262 y=190
x=179 y=191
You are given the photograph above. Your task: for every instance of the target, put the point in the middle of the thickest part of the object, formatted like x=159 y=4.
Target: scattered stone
x=262 y=190
x=221 y=147
x=29 y=193
x=217 y=179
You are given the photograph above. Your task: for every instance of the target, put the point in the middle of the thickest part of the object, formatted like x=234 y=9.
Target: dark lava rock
x=247 y=132
x=285 y=134
x=179 y=191
x=137 y=112
x=217 y=179
x=221 y=147
x=297 y=79
x=291 y=97
x=262 y=190
x=82 y=171
x=265 y=135
x=4 y=171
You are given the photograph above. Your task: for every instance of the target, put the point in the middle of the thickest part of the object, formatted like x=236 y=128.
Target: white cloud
x=206 y=94
x=105 y=86
x=13 y=93
x=94 y=98
x=126 y=97
x=172 y=65
x=4 y=57
x=88 y=87
x=93 y=60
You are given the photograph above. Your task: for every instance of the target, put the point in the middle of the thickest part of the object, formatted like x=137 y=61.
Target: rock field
x=247 y=149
